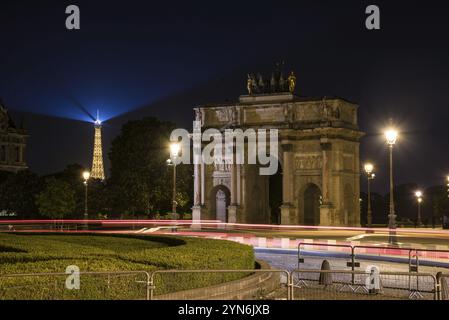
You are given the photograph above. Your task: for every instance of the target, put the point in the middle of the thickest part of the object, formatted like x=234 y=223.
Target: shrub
x=38 y=253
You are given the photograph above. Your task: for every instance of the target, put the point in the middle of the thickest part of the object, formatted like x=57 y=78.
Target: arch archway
x=220 y=198
x=275 y=196
x=312 y=198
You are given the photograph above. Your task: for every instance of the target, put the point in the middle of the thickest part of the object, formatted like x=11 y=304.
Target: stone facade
x=318 y=157
x=12 y=144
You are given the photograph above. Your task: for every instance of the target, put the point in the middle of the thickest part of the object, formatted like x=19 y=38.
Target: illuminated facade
x=12 y=143
x=318 y=178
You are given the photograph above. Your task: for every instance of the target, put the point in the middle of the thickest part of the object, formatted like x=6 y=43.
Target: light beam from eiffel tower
x=97 y=171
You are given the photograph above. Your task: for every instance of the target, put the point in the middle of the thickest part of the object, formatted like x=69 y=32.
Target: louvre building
x=12 y=143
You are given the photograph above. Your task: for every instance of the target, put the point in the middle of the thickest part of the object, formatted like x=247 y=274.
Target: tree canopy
x=18 y=192
x=57 y=199
x=141 y=182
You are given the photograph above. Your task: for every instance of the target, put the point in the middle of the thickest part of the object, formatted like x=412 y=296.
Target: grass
x=39 y=253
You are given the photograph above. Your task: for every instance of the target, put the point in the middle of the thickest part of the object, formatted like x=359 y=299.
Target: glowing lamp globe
x=174 y=149
x=391 y=136
x=86 y=175
x=369 y=167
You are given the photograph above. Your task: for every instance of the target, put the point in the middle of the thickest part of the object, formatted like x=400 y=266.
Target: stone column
x=196 y=184
x=326 y=212
x=357 y=185
x=198 y=172
x=239 y=185
x=326 y=148
x=243 y=199
x=197 y=192
x=232 y=209
x=287 y=175
x=233 y=184
x=287 y=208
x=203 y=182
x=338 y=184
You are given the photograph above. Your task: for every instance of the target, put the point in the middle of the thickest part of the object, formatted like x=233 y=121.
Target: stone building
x=12 y=143
x=318 y=178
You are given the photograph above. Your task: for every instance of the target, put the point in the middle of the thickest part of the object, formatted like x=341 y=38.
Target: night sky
x=138 y=58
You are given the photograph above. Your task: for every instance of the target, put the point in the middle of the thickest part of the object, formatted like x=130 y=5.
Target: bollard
x=325 y=277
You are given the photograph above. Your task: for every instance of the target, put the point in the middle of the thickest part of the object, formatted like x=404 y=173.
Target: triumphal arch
x=317 y=182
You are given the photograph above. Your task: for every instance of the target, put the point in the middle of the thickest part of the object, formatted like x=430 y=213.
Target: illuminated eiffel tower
x=97 y=162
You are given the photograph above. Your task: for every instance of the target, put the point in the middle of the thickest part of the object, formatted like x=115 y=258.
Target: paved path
x=284 y=259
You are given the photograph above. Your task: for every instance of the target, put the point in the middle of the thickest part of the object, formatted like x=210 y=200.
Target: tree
x=404 y=201
x=141 y=182
x=98 y=198
x=436 y=204
x=72 y=174
x=379 y=209
x=184 y=191
x=18 y=192
x=57 y=199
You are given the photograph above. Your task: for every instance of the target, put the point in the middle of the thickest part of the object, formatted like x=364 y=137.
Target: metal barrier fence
x=414 y=257
x=120 y=285
x=443 y=286
x=256 y=284
x=345 y=251
x=356 y=285
x=259 y=284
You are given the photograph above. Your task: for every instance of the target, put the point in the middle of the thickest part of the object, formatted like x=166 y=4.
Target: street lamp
x=418 y=195
x=174 y=153
x=86 y=176
x=391 y=136
x=369 y=167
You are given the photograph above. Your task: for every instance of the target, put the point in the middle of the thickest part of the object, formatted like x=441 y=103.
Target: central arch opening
x=312 y=197
x=220 y=199
x=275 y=196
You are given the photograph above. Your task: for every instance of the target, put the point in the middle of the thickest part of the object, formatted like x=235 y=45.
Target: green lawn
x=38 y=253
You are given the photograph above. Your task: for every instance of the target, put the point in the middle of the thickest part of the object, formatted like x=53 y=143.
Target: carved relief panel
x=348 y=161
x=264 y=115
x=308 y=161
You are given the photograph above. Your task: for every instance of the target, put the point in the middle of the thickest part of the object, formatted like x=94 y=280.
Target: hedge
x=39 y=253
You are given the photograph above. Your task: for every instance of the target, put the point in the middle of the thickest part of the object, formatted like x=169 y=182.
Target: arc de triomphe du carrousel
x=317 y=181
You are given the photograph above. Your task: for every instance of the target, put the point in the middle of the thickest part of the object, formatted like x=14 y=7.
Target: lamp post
x=86 y=176
x=174 y=153
x=391 y=136
x=418 y=195
x=369 y=167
